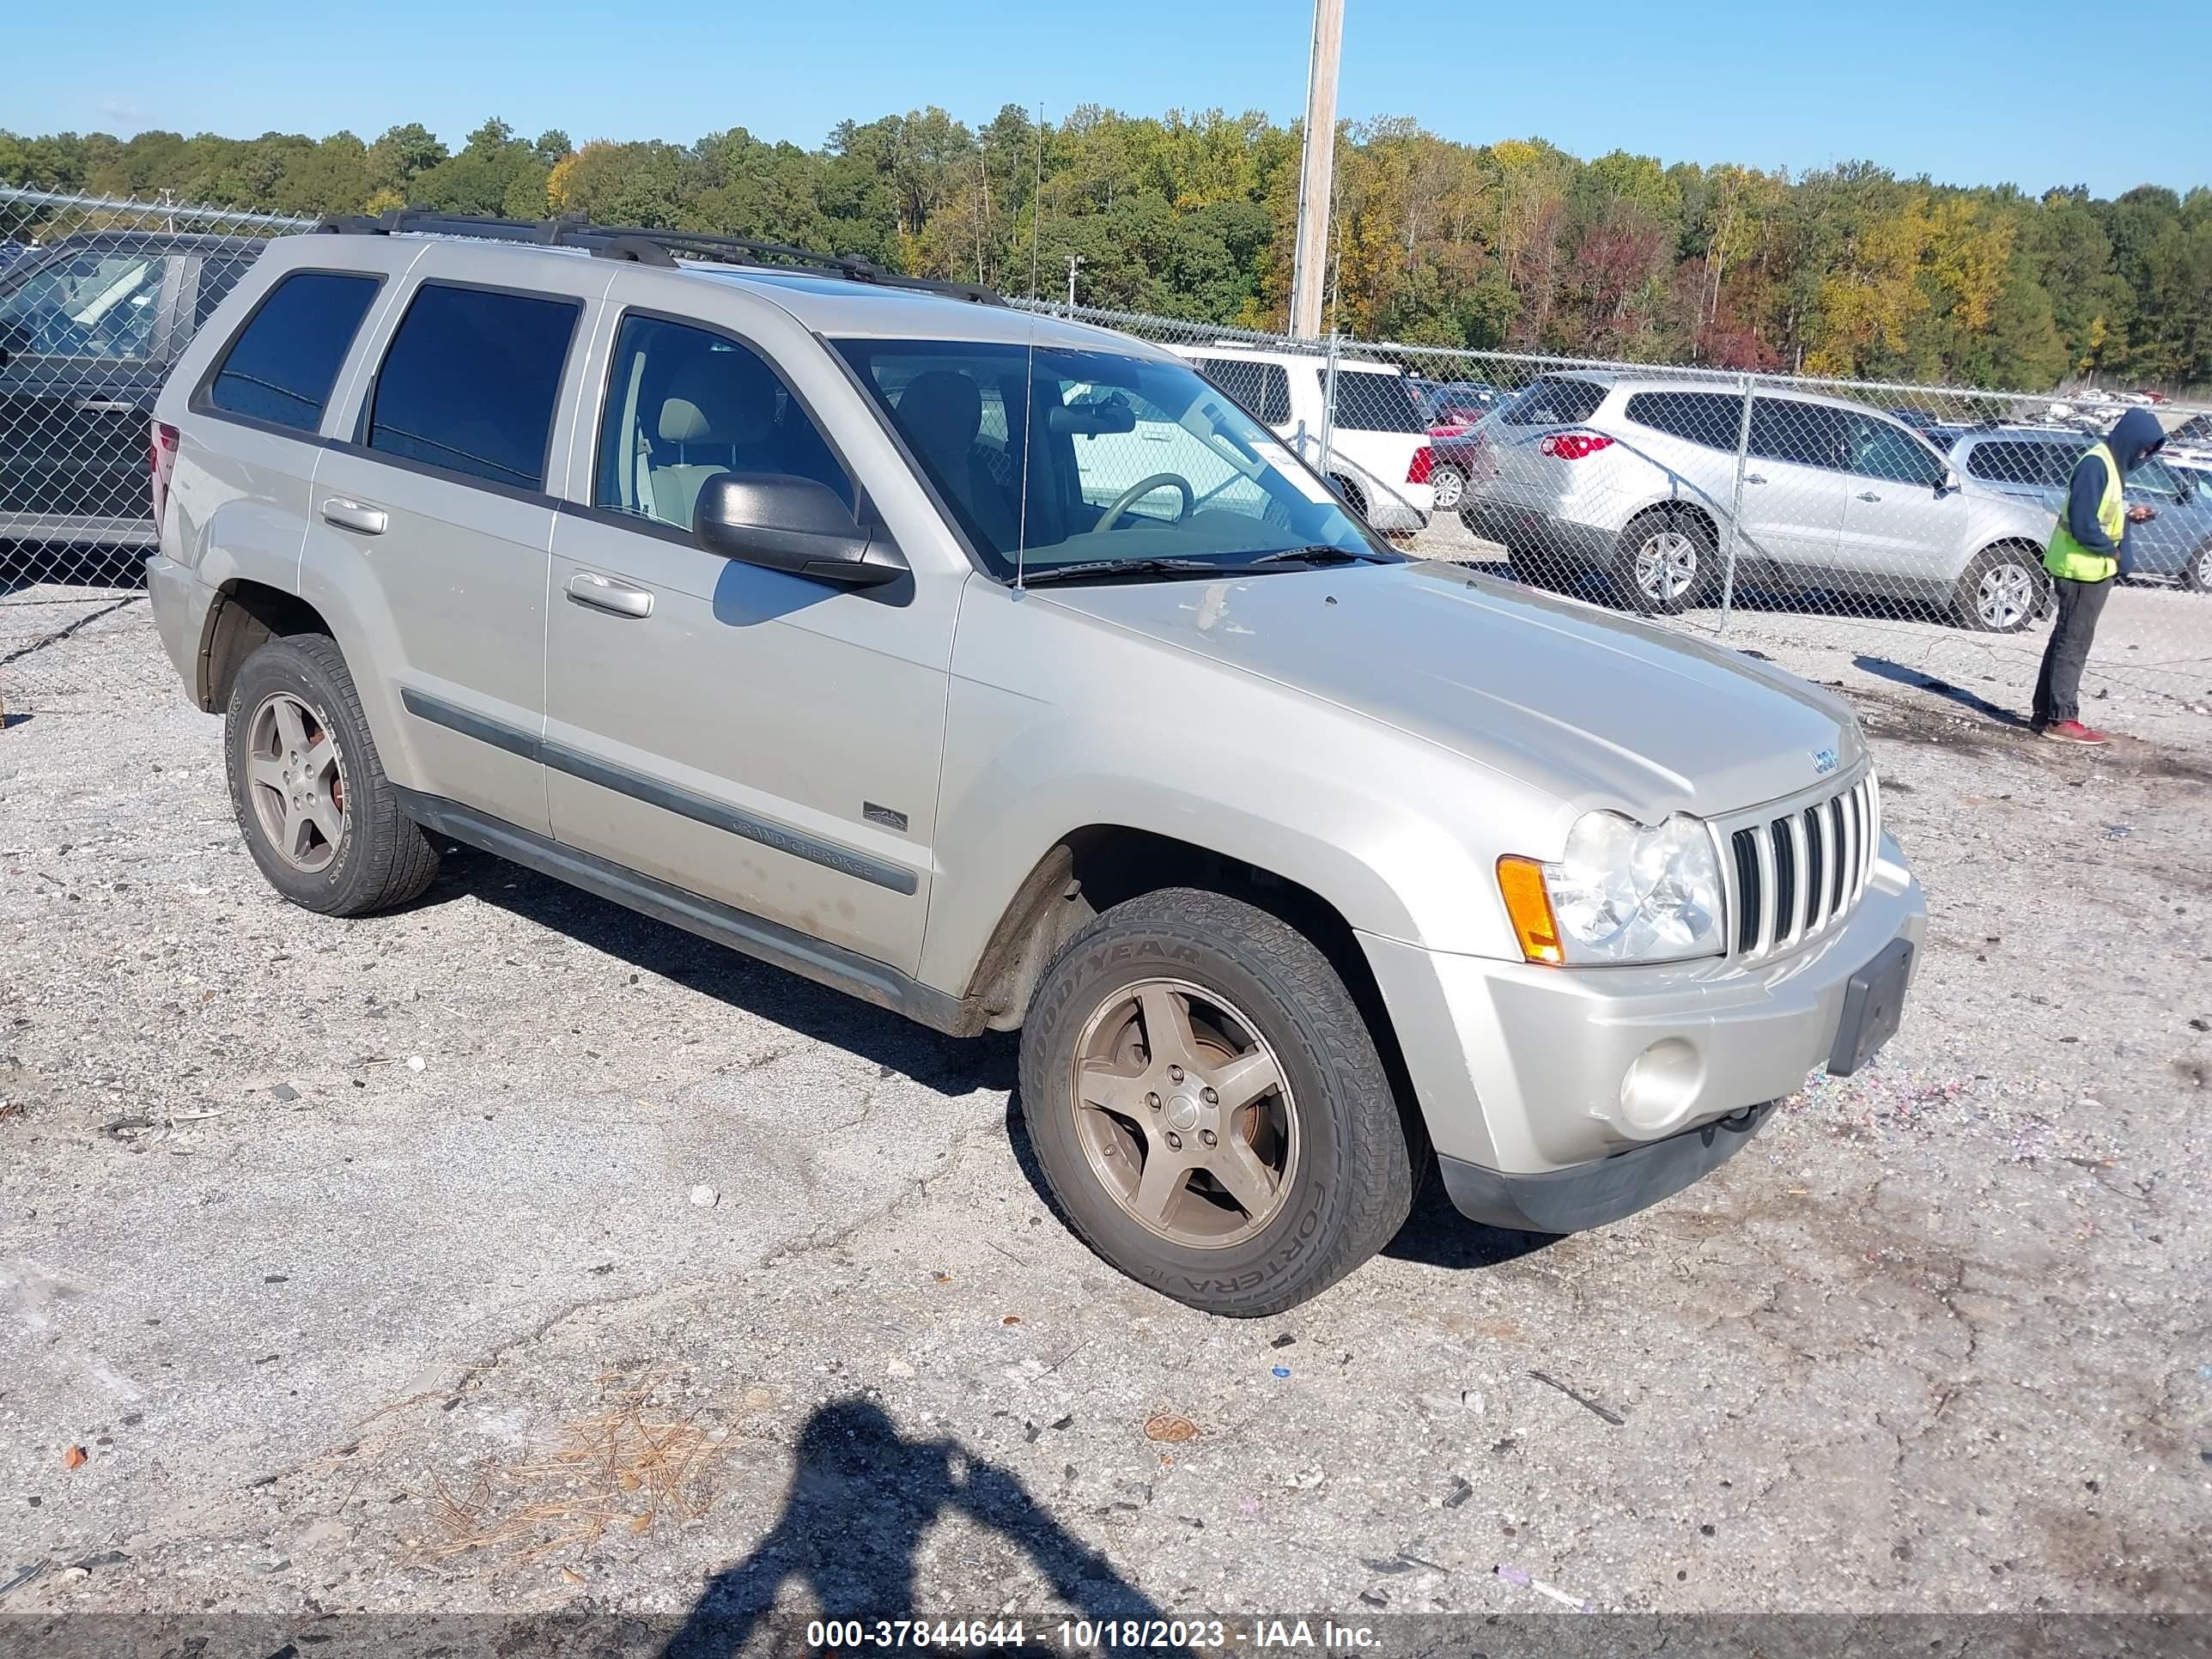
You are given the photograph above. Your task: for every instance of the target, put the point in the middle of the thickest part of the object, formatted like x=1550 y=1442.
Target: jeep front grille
x=1796 y=870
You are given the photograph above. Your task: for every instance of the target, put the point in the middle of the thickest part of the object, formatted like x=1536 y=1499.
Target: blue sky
x=1968 y=91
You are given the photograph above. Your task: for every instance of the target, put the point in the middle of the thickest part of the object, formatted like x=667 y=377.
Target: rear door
x=436 y=509
x=90 y=331
x=1902 y=528
x=1794 y=484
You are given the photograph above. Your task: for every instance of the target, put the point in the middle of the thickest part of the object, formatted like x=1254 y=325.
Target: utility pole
x=1073 y=261
x=1309 y=272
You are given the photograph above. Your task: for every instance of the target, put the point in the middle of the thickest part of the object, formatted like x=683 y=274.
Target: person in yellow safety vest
x=2086 y=555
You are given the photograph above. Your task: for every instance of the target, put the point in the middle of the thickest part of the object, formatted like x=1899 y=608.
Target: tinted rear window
x=1710 y=419
x=283 y=364
x=1368 y=402
x=1554 y=401
x=2047 y=466
x=1262 y=389
x=469 y=381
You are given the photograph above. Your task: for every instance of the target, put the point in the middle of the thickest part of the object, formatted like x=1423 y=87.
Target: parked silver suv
x=1634 y=477
x=778 y=600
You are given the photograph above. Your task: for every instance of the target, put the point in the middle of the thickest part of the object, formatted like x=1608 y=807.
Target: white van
x=1378 y=445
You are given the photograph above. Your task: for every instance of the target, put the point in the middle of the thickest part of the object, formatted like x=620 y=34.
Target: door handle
x=1752 y=478
x=585 y=587
x=1868 y=496
x=358 y=516
x=106 y=406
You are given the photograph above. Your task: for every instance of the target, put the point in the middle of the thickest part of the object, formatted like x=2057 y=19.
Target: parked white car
x=1634 y=477
x=1378 y=453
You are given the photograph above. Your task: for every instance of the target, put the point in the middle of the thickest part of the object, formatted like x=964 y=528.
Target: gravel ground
x=366 y=1262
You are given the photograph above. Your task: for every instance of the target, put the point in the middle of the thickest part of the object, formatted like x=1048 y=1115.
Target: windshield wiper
x=1319 y=553
x=1039 y=575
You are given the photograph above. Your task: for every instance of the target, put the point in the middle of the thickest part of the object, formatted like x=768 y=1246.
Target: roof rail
x=647 y=248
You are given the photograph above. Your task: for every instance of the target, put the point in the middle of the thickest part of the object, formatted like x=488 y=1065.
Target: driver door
x=1901 y=530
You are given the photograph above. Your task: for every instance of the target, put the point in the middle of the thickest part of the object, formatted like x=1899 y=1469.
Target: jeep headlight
x=1620 y=893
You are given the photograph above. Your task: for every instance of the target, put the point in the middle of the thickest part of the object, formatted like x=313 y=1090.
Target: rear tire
x=2001 y=592
x=1664 y=561
x=2196 y=574
x=1450 y=486
x=318 y=813
x=1148 y=1008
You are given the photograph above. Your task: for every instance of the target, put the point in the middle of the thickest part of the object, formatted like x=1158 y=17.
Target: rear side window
x=1368 y=402
x=1802 y=435
x=1554 y=401
x=1263 y=390
x=469 y=380
x=281 y=365
x=2046 y=466
x=1710 y=419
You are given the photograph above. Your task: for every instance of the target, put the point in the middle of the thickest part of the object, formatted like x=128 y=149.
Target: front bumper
x=1523 y=1072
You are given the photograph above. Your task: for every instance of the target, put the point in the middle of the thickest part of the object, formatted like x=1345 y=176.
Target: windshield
x=1050 y=456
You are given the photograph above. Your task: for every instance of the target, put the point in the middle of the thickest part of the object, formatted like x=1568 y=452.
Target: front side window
x=1106 y=457
x=469 y=381
x=283 y=364
x=1799 y=434
x=1368 y=402
x=685 y=403
x=2152 y=478
x=93 y=304
x=2021 y=461
x=1879 y=450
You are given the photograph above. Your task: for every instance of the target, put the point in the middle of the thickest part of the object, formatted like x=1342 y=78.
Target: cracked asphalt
x=335 y=1329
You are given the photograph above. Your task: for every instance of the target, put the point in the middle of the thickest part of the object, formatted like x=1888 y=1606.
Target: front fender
x=1106 y=729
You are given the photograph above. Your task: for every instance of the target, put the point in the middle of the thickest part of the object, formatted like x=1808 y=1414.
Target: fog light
x=1661 y=1087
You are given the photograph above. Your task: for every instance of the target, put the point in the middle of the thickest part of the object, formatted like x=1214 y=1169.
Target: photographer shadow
x=861 y=1495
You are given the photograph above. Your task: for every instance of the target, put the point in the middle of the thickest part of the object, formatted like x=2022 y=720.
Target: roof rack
x=649 y=247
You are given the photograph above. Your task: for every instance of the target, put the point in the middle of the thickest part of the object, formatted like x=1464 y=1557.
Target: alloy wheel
x=296 y=780
x=1450 y=487
x=1184 y=1113
x=1666 y=565
x=2006 y=597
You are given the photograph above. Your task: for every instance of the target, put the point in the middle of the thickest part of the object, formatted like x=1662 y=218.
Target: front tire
x=1208 y=1106
x=2196 y=574
x=2001 y=592
x=319 y=816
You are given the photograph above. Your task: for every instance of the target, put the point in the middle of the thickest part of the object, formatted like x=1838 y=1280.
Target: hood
x=1597 y=709
x=2134 y=437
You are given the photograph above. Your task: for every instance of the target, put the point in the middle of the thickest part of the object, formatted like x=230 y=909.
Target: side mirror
x=1948 y=482
x=797 y=525
x=14 y=341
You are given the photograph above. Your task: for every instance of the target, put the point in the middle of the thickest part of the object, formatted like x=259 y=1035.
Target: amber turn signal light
x=1520 y=881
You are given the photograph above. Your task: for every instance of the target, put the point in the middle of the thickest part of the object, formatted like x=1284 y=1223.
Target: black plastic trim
x=648 y=246
x=653 y=792
x=771 y=942
x=1590 y=1195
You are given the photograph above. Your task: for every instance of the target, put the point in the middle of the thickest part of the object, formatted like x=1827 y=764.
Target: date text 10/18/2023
x=1089 y=1635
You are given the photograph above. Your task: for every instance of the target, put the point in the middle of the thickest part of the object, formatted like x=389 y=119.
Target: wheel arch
x=244 y=615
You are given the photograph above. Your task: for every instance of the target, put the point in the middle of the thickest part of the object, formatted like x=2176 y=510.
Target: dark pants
x=2058 y=687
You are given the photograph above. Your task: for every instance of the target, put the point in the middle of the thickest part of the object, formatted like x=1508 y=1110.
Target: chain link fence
x=1903 y=523
x=1899 y=523
x=97 y=299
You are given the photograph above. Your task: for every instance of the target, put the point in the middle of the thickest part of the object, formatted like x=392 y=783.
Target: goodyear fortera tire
x=1208 y=1106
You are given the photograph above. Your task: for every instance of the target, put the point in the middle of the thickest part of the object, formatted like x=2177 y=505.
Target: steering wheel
x=1144 y=487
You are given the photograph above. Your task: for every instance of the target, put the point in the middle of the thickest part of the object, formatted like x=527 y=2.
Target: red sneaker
x=2073 y=731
